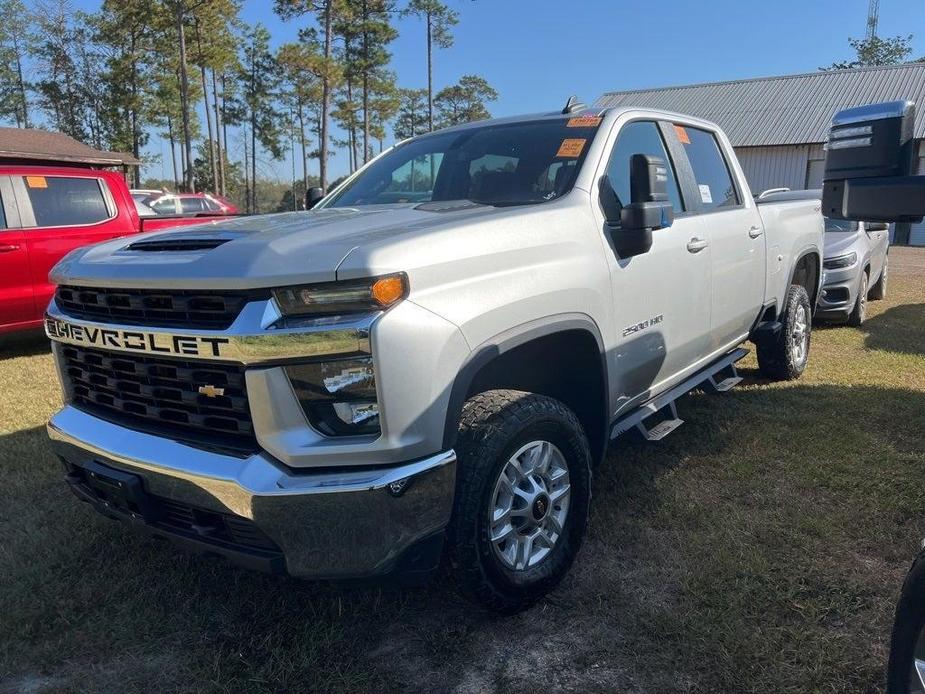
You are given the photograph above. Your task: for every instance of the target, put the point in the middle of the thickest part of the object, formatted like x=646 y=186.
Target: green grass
x=761 y=547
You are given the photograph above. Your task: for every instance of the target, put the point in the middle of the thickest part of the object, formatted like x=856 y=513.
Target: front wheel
x=522 y=498
x=784 y=357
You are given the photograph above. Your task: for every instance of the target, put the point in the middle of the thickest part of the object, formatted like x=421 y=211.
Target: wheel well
x=567 y=366
x=806 y=275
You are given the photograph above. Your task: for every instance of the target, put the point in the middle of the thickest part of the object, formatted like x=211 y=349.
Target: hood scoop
x=177 y=244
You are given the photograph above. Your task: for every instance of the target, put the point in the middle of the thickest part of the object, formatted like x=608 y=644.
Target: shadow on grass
x=898 y=329
x=683 y=536
x=24 y=344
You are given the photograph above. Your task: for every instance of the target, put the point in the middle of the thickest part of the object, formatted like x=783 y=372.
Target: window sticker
x=36 y=182
x=705 y=194
x=583 y=122
x=571 y=147
x=682 y=134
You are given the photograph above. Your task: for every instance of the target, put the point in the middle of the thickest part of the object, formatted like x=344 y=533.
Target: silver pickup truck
x=430 y=362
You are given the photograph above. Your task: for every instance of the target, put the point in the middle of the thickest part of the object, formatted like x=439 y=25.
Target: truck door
x=60 y=213
x=661 y=298
x=16 y=301
x=736 y=234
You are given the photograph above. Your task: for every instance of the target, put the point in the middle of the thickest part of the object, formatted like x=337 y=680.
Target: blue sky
x=537 y=52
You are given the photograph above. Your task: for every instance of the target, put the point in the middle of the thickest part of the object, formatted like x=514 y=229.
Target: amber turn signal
x=387 y=290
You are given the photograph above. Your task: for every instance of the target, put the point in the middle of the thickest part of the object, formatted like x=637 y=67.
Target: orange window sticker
x=583 y=122
x=682 y=134
x=571 y=148
x=36 y=182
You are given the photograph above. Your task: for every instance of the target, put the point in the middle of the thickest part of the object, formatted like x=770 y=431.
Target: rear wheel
x=859 y=313
x=522 y=498
x=784 y=357
x=878 y=291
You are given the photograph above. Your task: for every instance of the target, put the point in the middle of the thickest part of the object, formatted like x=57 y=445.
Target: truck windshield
x=504 y=164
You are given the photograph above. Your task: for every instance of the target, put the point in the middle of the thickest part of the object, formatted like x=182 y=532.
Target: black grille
x=216 y=527
x=154 y=307
x=162 y=395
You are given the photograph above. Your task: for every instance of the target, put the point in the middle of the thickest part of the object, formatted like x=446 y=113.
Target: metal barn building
x=779 y=124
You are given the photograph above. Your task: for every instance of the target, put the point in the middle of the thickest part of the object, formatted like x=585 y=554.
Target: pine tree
x=465 y=101
x=439 y=20
x=411 y=118
x=259 y=81
x=16 y=41
x=326 y=12
x=299 y=68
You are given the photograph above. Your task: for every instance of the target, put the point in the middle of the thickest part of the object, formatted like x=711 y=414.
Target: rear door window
x=65 y=201
x=191 y=205
x=164 y=206
x=715 y=185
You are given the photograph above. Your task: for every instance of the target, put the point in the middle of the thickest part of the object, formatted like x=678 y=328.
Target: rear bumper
x=325 y=524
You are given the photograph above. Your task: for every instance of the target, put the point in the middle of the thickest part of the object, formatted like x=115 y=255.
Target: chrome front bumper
x=343 y=523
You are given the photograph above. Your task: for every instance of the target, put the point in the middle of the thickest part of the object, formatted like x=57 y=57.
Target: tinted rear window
x=714 y=181
x=64 y=201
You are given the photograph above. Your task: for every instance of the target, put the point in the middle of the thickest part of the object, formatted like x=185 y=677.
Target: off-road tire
x=878 y=291
x=859 y=313
x=908 y=624
x=493 y=426
x=775 y=357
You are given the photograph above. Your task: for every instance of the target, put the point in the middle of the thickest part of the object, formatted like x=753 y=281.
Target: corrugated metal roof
x=787 y=110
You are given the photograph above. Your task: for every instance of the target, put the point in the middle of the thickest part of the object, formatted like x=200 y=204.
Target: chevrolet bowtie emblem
x=211 y=391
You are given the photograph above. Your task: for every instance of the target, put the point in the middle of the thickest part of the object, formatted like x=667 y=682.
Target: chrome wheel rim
x=529 y=505
x=799 y=337
x=917 y=671
x=884 y=276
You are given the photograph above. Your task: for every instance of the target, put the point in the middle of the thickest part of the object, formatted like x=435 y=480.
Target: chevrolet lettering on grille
x=135 y=340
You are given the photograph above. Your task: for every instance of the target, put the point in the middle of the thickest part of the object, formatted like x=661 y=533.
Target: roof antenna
x=572 y=105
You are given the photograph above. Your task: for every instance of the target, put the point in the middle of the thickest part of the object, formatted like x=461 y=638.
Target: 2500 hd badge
x=135 y=340
x=638 y=327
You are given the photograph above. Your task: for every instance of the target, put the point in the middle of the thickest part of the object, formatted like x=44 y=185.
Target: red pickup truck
x=47 y=212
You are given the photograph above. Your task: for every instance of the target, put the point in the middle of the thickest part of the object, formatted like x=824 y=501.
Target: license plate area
x=118 y=491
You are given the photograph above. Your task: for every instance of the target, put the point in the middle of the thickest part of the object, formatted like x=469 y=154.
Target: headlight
x=338 y=396
x=352 y=296
x=841 y=261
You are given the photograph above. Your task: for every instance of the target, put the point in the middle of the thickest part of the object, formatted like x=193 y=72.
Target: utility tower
x=873 y=16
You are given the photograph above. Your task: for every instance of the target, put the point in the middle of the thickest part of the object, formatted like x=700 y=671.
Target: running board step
x=719 y=376
x=726 y=384
x=724 y=379
x=664 y=427
x=661 y=430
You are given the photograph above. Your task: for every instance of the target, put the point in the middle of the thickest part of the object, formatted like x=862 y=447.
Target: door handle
x=755 y=232
x=696 y=245
x=8 y=247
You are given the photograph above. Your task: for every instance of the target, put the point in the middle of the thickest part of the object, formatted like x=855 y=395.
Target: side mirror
x=313 y=196
x=649 y=208
x=870 y=165
x=876 y=226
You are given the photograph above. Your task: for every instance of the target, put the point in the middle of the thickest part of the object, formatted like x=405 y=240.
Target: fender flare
x=811 y=251
x=506 y=341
